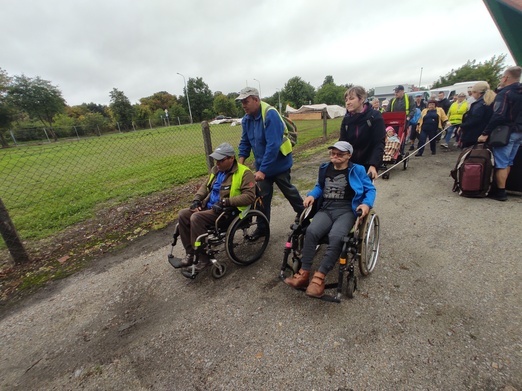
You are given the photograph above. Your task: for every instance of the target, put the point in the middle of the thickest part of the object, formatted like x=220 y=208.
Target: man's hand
x=308 y=201
x=196 y=204
x=372 y=172
x=217 y=208
x=482 y=138
x=259 y=176
x=365 y=209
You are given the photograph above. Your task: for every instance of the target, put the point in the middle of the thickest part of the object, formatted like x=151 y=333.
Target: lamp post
x=259 y=83
x=279 y=99
x=186 y=94
x=420 y=78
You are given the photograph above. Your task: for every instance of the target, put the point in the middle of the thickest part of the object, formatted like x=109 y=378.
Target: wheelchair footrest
x=175 y=262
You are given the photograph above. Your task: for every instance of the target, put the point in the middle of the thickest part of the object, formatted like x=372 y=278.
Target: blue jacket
x=264 y=141
x=357 y=178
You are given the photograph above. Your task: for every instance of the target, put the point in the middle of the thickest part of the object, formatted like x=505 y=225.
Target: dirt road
x=442 y=311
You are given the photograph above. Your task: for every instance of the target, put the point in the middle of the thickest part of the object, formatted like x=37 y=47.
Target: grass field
x=49 y=187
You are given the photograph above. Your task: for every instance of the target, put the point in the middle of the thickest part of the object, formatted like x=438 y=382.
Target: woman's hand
x=308 y=201
x=365 y=209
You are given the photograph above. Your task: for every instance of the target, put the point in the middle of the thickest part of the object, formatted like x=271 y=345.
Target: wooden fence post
x=325 y=126
x=207 y=142
x=11 y=238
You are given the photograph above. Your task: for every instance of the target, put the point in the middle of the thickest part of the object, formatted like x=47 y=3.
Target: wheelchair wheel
x=239 y=245
x=219 y=270
x=369 y=245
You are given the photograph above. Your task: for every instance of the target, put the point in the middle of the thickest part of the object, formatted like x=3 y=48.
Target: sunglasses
x=340 y=154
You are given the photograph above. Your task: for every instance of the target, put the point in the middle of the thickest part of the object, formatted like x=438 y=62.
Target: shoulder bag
x=499 y=137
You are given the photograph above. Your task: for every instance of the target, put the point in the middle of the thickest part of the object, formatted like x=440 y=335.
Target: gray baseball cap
x=222 y=151
x=246 y=92
x=343 y=146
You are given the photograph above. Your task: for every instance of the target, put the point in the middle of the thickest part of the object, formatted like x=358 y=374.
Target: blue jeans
x=266 y=190
x=504 y=156
x=449 y=133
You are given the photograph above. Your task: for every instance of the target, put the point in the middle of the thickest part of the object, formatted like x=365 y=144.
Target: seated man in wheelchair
x=229 y=184
x=342 y=189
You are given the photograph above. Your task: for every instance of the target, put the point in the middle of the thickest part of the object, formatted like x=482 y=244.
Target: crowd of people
x=345 y=184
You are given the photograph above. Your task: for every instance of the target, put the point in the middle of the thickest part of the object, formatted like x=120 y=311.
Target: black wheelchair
x=232 y=231
x=360 y=245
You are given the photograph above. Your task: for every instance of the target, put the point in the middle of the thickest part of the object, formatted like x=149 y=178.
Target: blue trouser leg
x=449 y=133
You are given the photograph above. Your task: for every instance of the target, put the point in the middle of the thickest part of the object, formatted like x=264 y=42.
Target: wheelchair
x=360 y=245
x=233 y=232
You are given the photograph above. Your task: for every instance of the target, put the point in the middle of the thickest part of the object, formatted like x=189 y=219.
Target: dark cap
x=399 y=88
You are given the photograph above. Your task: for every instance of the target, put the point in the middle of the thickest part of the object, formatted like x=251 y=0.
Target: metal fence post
x=13 y=137
x=11 y=238
x=207 y=142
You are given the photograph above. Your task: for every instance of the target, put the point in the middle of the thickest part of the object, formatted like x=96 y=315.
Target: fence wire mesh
x=49 y=186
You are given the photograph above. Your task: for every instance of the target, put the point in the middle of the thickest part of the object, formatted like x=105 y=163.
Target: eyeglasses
x=222 y=160
x=340 y=154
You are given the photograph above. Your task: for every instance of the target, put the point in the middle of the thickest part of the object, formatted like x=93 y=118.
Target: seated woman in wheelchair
x=229 y=184
x=342 y=189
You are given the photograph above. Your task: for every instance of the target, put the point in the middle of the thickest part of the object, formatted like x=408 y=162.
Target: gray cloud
x=89 y=47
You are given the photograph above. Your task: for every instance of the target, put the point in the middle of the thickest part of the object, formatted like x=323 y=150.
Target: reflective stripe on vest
x=286 y=144
x=406 y=103
x=235 y=188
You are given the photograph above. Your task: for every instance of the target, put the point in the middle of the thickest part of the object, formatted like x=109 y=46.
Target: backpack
x=291 y=130
x=416 y=117
x=473 y=173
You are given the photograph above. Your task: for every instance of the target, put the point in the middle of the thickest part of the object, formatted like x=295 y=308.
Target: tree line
x=27 y=102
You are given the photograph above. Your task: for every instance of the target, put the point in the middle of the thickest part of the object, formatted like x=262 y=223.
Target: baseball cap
x=343 y=146
x=222 y=151
x=246 y=92
x=399 y=88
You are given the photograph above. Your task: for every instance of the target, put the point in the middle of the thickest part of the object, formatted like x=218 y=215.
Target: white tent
x=333 y=111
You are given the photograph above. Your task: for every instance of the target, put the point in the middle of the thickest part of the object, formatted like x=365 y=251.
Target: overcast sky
x=89 y=47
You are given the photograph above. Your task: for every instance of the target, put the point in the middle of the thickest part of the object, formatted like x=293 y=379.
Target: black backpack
x=473 y=173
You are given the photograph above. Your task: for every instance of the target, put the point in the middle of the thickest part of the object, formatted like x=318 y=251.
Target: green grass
x=49 y=187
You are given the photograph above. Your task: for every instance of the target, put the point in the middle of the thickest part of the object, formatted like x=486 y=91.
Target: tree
x=121 y=108
x=298 y=92
x=328 y=80
x=200 y=98
x=489 y=71
x=224 y=106
x=330 y=94
x=6 y=111
x=159 y=100
x=38 y=98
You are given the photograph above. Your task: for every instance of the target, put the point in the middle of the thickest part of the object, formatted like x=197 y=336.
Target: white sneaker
x=444 y=145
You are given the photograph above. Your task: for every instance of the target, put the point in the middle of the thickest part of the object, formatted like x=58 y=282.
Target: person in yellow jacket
x=432 y=119
x=229 y=184
x=455 y=114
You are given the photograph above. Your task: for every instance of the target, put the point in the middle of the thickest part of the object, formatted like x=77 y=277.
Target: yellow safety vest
x=406 y=103
x=457 y=111
x=237 y=179
x=286 y=144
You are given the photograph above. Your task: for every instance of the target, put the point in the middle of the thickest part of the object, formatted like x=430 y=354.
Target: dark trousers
x=424 y=135
x=266 y=190
x=193 y=223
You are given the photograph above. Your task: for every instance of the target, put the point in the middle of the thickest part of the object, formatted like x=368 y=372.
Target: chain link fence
x=48 y=187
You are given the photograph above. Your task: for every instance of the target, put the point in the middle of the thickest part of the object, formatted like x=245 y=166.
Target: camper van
x=455 y=89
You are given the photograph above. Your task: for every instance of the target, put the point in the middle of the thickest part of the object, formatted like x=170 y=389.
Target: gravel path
x=442 y=310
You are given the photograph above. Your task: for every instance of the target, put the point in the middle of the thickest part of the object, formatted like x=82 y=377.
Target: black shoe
x=412 y=147
x=499 y=195
x=434 y=153
x=418 y=154
x=177 y=263
x=258 y=233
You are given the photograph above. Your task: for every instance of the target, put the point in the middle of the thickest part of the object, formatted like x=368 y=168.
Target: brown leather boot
x=316 y=287
x=299 y=280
